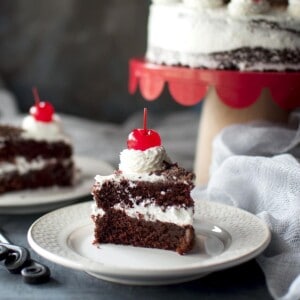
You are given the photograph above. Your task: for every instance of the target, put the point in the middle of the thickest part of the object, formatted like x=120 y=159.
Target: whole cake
x=37 y=154
x=249 y=35
x=146 y=202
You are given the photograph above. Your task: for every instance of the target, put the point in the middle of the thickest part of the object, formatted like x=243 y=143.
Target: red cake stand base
x=230 y=97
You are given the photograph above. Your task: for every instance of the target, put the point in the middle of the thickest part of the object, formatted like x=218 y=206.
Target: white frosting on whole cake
x=195 y=31
x=179 y=34
x=138 y=161
x=48 y=131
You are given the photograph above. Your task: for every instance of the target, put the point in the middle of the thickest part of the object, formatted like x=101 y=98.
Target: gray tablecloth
x=104 y=142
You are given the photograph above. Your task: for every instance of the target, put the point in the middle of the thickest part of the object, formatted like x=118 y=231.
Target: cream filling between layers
x=148 y=211
x=23 y=166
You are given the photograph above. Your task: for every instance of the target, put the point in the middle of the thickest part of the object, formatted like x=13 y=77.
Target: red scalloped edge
x=189 y=86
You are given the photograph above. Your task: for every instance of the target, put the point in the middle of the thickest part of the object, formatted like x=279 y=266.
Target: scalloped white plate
x=226 y=236
x=46 y=199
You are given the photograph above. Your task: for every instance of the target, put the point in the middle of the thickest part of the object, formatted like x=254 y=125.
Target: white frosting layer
x=22 y=166
x=184 y=35
x=48 y=131
x=178 y=215
x=248 y=7
x=131 y=177
x=137 y=161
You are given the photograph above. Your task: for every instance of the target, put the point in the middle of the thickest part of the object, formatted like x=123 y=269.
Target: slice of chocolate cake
x=38 y=154
x=146 y=202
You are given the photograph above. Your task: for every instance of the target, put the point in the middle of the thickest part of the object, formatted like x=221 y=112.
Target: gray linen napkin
x=255 y=167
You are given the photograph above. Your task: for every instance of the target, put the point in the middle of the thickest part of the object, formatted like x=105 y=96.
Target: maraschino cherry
x=42 y=111
x=143 y=138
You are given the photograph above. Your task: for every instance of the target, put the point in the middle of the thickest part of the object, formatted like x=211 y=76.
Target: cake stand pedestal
x=230 y=97
x=216 y=115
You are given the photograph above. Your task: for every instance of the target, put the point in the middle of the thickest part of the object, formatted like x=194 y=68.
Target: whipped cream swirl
x=202 y=4
x=138 y=161
x=240 y=8
x=48 y=131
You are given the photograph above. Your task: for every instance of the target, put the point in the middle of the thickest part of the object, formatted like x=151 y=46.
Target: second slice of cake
x=146 y=202
x=37 y=154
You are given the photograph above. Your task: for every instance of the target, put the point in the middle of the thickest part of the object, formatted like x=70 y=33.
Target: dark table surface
x=242 y=282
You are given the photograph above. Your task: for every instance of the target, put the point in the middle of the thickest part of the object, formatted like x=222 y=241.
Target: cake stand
x=230 y=97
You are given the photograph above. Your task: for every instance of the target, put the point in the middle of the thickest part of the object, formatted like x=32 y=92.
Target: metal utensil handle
x=3 y=238
x=17 y=260
x=16 y=257
x=35 y=273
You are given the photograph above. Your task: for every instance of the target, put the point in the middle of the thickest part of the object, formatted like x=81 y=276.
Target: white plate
x=45 y=199
x=226 y=236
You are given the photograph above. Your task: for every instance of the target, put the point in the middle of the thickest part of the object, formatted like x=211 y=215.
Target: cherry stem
x=36 y=95
x=145 y=120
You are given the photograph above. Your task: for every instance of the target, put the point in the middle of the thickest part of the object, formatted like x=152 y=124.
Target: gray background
x=76 y=52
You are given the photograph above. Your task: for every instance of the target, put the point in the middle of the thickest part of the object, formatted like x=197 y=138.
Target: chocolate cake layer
x=117 y=228
x=54 y=174
x=250 y=57
x=10 y=132
x=173 y=189
x=111 y=193
x=31 y=149
x=12 y=145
